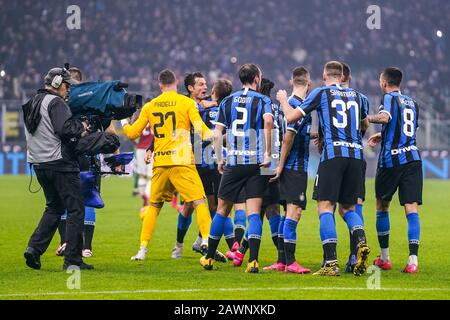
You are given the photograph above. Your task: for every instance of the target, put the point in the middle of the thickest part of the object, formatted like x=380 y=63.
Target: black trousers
x=62 y=192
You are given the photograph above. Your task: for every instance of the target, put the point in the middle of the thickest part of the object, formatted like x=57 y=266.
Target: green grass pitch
x=161 y=277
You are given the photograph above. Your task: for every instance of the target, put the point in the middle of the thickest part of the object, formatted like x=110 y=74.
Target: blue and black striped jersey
x=241 y=114
x=340 y=111
x=277 y=137
x=204 y=150
x=398 y=145
x=299 y=155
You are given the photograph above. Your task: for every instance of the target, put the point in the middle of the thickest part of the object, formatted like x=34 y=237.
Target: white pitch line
x=74 y=292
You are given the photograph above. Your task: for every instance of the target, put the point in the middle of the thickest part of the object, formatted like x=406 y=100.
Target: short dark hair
x=300 y=76
x=346 y=71
x=248 y=72
x=167 y=77
x=393 y=76
x=266 y=87
x=334 y=69
x=76 y=74
x=189 y=80
x=222 y=88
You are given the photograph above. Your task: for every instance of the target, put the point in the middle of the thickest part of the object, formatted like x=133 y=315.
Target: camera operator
x=90 y=213
x=51 y=134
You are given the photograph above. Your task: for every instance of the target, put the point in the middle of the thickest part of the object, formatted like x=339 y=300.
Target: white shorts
x=141 y=167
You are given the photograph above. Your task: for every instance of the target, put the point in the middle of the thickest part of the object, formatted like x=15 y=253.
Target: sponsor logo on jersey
x=165 y=153
x=403 y=150
x=241 y=153
x=347 y=144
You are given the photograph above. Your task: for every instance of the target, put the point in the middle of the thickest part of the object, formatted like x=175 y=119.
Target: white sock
x=148 y=187
x=413 y=260
x=385 y=254
x=142 y=183
x=198 y=241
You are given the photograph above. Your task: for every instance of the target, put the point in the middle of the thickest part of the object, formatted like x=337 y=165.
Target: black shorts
x=210 y=180
x=242 y=178
x=272 y=194
x=293 y=186
x=362 y=184
x=407 y=178
x=338 y=180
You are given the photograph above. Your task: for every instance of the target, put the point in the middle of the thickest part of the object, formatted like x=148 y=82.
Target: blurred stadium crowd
x=133 y=40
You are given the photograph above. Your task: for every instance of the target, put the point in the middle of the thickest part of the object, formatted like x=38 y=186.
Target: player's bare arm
x=206 y=104
x=134 y=131
x=268 y=132
x=217 y=143
x=365 y=124
x=286 y=146
x=380 y=118
x=290 y=114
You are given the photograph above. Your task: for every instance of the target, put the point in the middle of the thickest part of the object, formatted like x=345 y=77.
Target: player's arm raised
x=310 y=104
x=290 y=114
x=134 y=131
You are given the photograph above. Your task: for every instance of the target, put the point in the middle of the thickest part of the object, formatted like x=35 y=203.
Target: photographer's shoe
x=32 y=258
x=82 y=266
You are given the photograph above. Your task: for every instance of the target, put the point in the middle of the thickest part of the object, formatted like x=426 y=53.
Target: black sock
x=254 y=245
x=88 y=233
x=230 y=242
x=330 y=251
x=212 y=248
x=239 y=234
x=413 y=249
x=62 y=230
x=244 y=246
x=180 y=235
x=275 y=241
x=352 y=245
x=359 y=236
x=383 y=241
x=289 y=249
x=281 y=253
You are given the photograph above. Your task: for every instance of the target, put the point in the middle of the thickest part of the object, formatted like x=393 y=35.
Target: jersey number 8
x=408 y=122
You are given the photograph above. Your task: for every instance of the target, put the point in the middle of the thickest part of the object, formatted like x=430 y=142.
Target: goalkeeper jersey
x=171 y=116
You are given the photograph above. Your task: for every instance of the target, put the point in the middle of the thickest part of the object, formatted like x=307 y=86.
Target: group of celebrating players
x=244 y=150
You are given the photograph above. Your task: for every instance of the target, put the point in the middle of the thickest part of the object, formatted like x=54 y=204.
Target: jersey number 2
x=239 y=132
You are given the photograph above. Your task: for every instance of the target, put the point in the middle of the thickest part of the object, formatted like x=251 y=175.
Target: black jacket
x=67 y=128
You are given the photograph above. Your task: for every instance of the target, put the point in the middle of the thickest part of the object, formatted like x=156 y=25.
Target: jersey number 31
x=341 y=108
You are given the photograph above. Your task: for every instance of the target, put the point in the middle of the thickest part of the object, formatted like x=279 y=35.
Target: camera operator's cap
x=56 y=76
